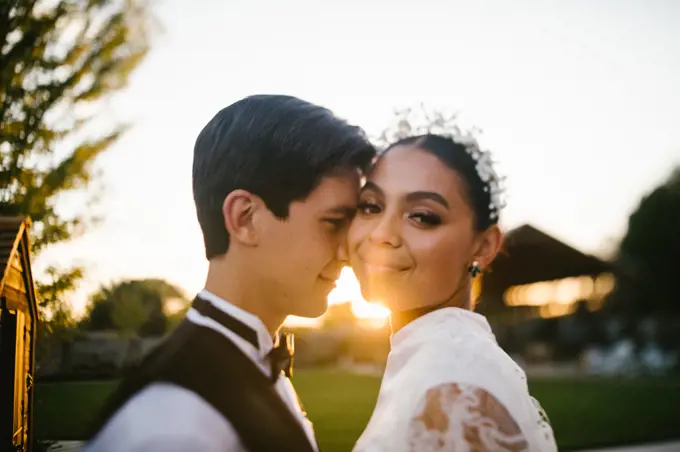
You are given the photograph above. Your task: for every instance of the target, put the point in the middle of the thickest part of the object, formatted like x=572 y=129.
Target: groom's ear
x=240 y=210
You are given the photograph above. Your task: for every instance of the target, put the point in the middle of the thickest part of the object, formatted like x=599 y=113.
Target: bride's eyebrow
x=372 y=186
x=433 y=196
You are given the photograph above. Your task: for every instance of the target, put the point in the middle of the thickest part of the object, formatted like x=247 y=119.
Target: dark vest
x=210 y=365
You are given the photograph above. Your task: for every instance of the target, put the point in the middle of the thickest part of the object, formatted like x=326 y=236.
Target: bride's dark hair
x=473 y=165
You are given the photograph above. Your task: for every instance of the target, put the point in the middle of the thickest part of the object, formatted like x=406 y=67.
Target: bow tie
x=281 y=356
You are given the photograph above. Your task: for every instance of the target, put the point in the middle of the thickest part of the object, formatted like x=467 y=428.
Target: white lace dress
x=448 y=386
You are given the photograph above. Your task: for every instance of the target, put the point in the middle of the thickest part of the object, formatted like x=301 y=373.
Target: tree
x=59 y=61
x=135 y=307
x=650 y=250
x=130 y=310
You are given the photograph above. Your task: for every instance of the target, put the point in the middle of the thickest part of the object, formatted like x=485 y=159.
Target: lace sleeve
x=463 y=418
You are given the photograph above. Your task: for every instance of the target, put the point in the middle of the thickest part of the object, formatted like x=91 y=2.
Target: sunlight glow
x=347 y=289
x=560 y=297
x=563 y=291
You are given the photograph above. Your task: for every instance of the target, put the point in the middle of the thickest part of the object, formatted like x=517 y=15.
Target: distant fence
x=93 y=356
x=104 y=355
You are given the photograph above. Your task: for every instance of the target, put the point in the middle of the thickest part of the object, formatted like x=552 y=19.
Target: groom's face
x=301 y=256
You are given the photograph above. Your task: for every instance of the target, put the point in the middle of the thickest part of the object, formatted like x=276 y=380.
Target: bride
x=427 y=226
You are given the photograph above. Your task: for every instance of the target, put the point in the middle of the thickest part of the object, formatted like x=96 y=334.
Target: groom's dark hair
x=276 y=147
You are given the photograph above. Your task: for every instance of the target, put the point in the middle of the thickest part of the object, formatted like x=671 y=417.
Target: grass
x=585 y=413
x=592 y=413
x=338 y=403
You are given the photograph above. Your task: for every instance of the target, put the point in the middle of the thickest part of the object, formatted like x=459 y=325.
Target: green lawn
x=584 y=413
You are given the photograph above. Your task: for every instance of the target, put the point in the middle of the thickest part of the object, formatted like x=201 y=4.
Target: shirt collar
x=264 y=340
x=461 y=321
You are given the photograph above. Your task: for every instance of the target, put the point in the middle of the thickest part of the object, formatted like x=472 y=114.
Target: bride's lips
x=383 y=267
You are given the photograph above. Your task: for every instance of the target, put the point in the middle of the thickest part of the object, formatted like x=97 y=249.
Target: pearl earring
x=474 y=268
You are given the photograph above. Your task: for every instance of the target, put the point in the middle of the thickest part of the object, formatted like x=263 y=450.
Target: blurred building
x=537 y=275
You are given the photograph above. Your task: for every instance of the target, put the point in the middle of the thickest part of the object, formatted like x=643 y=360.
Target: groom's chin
x=319 y=311
x=312 y=310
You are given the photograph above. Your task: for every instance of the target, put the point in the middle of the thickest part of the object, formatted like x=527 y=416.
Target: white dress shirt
x=444 y=347
x=165 y=417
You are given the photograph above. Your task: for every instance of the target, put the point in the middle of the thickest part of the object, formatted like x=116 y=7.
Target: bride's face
x=413 y=237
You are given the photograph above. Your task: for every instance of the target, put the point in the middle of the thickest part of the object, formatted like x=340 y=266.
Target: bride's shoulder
x=455 y=353
x=485 y=397
x=474 y=359
x=473 y=383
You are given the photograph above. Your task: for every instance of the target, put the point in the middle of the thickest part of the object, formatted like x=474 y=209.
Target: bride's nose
x=387 y=231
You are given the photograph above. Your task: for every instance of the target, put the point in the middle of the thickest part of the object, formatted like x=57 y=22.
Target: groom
x=275 y=183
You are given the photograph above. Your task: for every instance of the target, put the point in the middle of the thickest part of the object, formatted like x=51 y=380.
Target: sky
x=578 y=100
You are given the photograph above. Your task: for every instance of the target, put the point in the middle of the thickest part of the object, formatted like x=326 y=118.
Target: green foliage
x=55 y=283
x=58 y=61
x=134 y=307
x=130 y=309
x=651 y=248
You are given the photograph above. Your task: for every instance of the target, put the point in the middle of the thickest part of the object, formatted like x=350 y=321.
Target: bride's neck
x=400 y=319
x=459 y=299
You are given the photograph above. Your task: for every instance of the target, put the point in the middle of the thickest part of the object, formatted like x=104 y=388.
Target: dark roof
x=531 y=255
x=11 y=231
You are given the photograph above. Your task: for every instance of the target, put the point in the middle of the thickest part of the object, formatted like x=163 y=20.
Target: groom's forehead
x=336 y=194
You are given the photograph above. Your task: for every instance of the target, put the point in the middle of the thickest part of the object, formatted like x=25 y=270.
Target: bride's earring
x=474 y=268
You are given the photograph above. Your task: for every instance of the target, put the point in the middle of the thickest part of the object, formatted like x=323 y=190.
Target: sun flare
x=347 y=289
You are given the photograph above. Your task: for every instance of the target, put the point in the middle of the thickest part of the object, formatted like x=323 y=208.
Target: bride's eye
x=368 y=208
x=426 y=218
